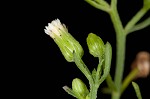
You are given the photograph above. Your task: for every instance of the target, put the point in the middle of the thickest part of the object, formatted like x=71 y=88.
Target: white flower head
x=54 y=28
x=65 y=41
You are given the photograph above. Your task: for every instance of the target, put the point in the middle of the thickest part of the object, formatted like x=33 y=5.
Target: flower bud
x=147 y=4
x=79 y=88
x=64 y=40
x=87 y=97
x=96 y=45
x=142 y=63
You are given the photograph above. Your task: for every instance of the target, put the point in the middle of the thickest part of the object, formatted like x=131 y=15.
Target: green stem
x=135 y=19
x=120 y=53
x=94 y=89
x=113 y=3
x=98 y=6
x=83 y=68
x=102 y=2
x=128 y=79
x=141 y=25
x=98 y=72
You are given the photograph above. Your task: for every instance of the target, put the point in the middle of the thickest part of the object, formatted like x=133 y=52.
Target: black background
x=40 y=70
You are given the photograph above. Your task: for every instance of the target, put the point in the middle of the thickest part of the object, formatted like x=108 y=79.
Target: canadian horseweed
x=73 y=52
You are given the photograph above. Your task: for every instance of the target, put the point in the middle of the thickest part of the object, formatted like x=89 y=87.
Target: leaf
x=107 y=59
x=137 y=90
x=94 y=73
x=99 y=70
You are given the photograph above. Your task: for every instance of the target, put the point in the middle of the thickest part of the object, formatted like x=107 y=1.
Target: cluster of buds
x=142 y=63
x=68 y=46
x=65 y=41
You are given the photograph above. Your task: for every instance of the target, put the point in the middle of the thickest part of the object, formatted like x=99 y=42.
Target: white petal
x=46 y=31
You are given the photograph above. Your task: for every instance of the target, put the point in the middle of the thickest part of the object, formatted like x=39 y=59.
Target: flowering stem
x=120 y=44
x=121 y=34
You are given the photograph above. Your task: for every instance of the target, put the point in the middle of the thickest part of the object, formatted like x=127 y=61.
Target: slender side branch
x=129 y=79
x=98 y=6
x=135 y=19
x=140 y=26
x=113 y=3
x=102 y=2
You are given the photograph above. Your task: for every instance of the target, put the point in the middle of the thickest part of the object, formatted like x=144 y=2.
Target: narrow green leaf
x=99 y=70
x=94 y=74
x=137 y=90
x=107 y=58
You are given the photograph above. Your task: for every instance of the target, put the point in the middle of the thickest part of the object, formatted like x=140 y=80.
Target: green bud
x=64 y=40
x=96 y=45
x=79 y=88
x=147 y=4
x=87 y=97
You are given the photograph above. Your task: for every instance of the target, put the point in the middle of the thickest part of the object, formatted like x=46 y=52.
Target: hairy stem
x=94 y=89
